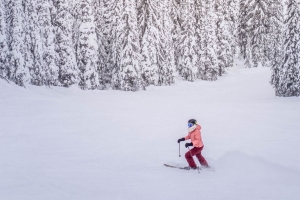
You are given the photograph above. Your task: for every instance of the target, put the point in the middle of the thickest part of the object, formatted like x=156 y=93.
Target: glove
x=188 y=144
x=181 y=139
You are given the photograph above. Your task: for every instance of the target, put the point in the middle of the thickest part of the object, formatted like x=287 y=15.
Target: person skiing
x=194 y=135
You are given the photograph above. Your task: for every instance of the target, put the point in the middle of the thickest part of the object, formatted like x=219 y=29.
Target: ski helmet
x=192 y=121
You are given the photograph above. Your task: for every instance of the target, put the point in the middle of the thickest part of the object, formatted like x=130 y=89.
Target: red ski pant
x=195 y=152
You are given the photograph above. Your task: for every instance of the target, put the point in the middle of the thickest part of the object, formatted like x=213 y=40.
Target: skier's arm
x=187 y=137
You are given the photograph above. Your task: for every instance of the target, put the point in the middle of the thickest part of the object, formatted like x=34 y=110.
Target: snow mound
x=242 y=166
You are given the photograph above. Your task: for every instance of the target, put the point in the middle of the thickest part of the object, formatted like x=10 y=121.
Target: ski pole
x=192 y=158
x=179 y=150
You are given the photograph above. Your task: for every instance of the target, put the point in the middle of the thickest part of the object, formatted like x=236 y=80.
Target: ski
x=175 y=167
x=185 y=168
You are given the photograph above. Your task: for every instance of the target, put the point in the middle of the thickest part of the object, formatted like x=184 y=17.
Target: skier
x=195 y=136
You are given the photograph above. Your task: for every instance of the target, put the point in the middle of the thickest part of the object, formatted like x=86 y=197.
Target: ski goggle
x=190 y=125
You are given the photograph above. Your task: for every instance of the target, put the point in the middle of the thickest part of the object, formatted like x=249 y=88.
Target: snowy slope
x=71 y=144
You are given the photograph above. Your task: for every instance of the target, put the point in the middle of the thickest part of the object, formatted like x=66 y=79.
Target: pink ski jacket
x=195 y=137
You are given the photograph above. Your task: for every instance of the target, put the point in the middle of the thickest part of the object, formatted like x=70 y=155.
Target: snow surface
x=61 y=144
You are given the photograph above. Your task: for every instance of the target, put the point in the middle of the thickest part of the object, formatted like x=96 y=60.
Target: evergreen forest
x=131 y=44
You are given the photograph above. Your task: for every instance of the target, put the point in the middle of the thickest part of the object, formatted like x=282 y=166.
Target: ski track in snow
x=71 y=144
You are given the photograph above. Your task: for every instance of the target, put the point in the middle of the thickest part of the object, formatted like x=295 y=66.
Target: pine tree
x=33 y=43
x=224 y=37
x=15 y=22
x=187 y=63
x=206 y=39
x=156 y=40
x=45 y=8
x=274 y=37
x=105 y=21
x=126 y=72
x=111 y=16
x=64 y=43
x=86 y=46
x=232 y=19
x=257 y=26
x=175 y=17
x=275 y=50
x=286 y=78
x=3 y=44
x=98 y=7
x=176 y=20
x=242 y=30
x=149 y=30
x=166 y=49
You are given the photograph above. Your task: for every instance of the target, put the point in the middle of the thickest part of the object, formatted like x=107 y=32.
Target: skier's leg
x=189 y=157
x=201 y=159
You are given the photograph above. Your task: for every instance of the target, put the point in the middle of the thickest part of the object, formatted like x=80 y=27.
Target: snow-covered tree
x=166 y=61
x=86 y=46
x=274 y=37
x=286 y=77
x=242 y=30
x=257 y=25
x=225 y=38
x=175 y=17
x=187 y=58
x=45 y=10
x=232 y=19
x=206 y=40
x=149 y=32
x=64 y=43
x=33 y=43
x=126 y=72
x=156 y=42
x=275 y=50
x=98 y=10
x=105 y=21
x=4 y=53
x=15 y=22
